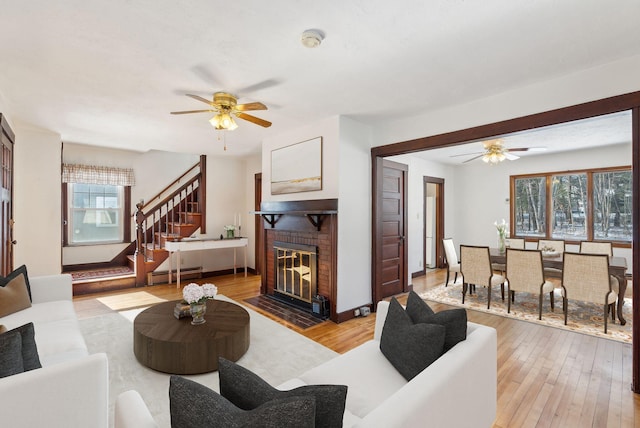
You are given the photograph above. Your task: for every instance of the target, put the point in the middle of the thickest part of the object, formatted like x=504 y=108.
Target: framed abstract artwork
x=297 y=168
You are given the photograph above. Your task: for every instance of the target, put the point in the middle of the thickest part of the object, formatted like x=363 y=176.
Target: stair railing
x=154 y=221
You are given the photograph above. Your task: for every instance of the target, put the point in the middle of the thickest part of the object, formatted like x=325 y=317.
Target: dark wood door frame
x=7 y=141
x=439 y=182
x=614 y=104
x=258 y=225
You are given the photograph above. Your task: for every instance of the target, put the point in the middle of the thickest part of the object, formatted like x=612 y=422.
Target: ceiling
x=604 y=130
x=108 y=73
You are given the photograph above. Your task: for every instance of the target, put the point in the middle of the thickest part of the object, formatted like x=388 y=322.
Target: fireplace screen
x=295 y=270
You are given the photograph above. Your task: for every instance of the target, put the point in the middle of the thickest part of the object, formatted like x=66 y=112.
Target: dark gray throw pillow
x=10 y=354
x=454 y=320
x=409 y=347
x=193 y=405
x=22 y=270
x=247 y=390
x=30 y=358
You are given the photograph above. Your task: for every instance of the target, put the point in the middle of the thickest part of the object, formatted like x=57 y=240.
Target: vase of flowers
x=196 y=296
x=230 y=230
x=501 y=228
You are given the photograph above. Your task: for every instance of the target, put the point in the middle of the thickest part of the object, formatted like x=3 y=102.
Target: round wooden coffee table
x=170 y=345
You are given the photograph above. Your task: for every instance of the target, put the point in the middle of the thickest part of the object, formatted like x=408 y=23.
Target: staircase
x=175 y=212
x=176 y=216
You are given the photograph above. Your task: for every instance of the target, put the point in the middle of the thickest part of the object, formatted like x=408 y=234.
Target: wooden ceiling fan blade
x=253 y=119
x=250 y=106
x=510 y=156
x=199 y=98
x=474 y=158
x=467 y=154
x=528 y=149
x=192 y=111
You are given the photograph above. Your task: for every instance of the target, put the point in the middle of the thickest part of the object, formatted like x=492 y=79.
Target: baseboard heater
x=162 y=277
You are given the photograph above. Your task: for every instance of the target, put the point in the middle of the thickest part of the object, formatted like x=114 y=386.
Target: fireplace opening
x=295 y=273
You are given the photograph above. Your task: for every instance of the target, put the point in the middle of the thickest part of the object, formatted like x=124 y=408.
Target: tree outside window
x=530 y=207
x=583 y=205
x=612 y=206
x=569 y=197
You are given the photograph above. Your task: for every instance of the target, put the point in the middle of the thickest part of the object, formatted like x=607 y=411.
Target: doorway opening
x=433 y=215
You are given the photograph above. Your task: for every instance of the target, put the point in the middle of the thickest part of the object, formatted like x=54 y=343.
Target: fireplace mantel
x=314 y=216
x=310 y=222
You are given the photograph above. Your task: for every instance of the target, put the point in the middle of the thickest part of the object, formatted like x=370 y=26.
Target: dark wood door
x=7 y=139
x=391 y=252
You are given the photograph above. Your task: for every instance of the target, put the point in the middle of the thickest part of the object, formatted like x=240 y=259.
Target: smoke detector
x=312 y=38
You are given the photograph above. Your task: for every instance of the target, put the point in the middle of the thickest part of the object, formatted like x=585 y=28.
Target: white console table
x=195 y=244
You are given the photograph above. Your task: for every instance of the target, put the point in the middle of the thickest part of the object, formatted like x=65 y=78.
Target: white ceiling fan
x=496 y=152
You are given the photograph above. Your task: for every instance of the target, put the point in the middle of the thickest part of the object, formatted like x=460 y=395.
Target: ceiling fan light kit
x=223 y=121
x=225 y=106
x=495 y=152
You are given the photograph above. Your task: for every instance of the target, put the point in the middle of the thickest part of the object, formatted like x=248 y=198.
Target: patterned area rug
x=583 y=317
x=84 y=275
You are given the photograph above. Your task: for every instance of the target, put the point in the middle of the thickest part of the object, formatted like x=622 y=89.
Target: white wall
x=615 y=78
x=37 y=200
x=328 y=129
x=354 y=215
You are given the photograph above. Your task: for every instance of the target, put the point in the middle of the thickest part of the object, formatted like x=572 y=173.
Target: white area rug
x=276 y=354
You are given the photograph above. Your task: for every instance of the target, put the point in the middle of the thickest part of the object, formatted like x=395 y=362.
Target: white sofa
x=72 y=387
x=457 y=390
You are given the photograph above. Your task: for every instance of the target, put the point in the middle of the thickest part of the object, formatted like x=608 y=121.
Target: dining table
x=617 y=268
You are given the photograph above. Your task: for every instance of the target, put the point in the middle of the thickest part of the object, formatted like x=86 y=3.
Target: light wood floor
x=546 y=377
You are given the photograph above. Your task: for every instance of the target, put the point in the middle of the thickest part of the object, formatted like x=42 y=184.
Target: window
x=96 y=202
x=530 y=212
x=580 y=205
x=612 y=206
x=96 y=213
x=569 y=199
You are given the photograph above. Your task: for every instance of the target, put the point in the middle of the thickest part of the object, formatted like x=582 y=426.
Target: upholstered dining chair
x=517 y=243
x=511 y=243
x=451 y=258
x=525 y=273
x=586 y=277
x=555 y=245
x=475 y=266
x=590 y=247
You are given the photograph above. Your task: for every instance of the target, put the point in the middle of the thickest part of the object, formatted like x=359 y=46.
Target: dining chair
x=517 y=243
x=585 y=277
x=451 y=258
x=590 y=247
x=525 y=273
x=511 y=243
x=556 y=245
x=475 y=266
x=552 y=245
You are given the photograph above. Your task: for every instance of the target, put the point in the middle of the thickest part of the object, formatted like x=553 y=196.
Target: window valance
x=92 y=174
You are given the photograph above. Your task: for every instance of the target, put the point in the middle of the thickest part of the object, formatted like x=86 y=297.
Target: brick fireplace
x=308 y=227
